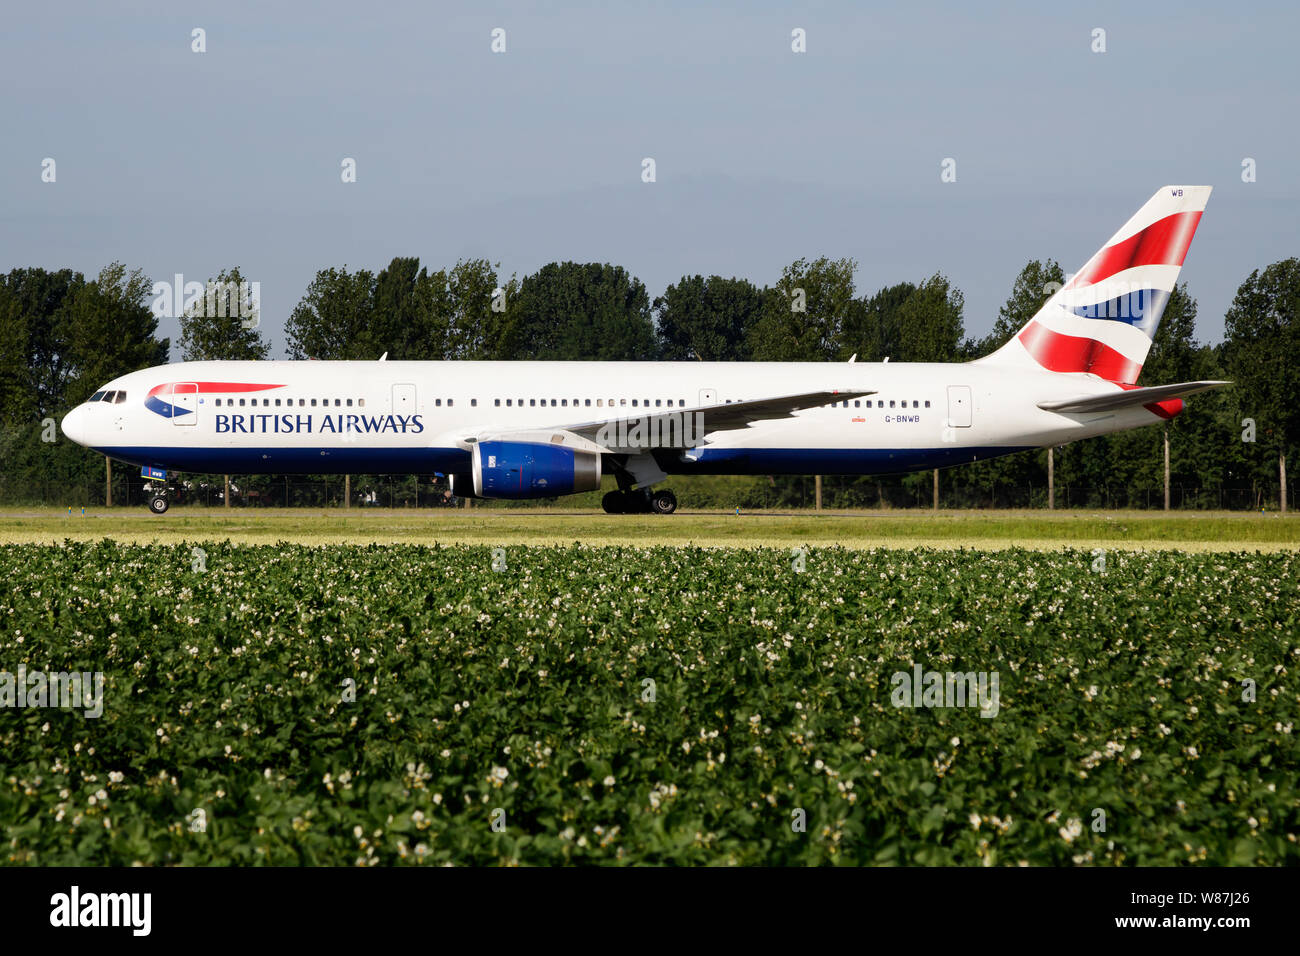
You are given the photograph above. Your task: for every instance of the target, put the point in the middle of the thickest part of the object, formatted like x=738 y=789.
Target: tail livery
x=1103 y=320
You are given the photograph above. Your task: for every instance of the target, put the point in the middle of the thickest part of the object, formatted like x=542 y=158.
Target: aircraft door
x=404 y=399
x=185 y=403
x=959 y=406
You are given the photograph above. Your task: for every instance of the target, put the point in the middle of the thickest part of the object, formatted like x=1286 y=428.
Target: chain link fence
x=798 y=492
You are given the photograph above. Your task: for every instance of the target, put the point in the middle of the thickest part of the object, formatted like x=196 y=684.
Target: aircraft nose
x=74 y=424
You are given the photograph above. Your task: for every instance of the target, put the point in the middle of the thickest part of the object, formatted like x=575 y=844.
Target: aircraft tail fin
x=1104 y=318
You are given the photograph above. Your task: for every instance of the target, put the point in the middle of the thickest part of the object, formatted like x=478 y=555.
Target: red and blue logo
x=186 y=393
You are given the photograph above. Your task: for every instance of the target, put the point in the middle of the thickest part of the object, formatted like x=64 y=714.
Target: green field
x=1198 y=531
x=388 y=704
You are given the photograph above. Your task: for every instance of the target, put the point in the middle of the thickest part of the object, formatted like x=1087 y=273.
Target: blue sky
x=175 y=161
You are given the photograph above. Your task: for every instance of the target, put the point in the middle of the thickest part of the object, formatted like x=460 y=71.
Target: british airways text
x=305 y=424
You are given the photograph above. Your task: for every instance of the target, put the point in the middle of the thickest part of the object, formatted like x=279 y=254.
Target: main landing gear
x=639 y=502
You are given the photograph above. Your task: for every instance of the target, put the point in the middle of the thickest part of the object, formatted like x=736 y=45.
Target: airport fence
x=710 y=493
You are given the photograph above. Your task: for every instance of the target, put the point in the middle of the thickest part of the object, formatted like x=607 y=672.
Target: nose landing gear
x=158 y=504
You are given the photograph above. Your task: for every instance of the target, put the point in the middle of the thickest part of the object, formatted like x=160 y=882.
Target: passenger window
x=473 y=403
x=241 y=403
x=216 y=402
x=497 y=402
x=916 y=404
x=891 y=403
x=509 y=402
x=532 y=403
x=451 y=402
x=361 y=402
x=552 y=403
x=564 y=403
x=302 y=402
x=438 y=402
x=338 y=403
x=600 y=402
x=313 y=402
x=622 y=402
x=927 y=403
x=277 y=401
x=857 y=404
x=634 y=403
x=588 y=403
x=658 y=402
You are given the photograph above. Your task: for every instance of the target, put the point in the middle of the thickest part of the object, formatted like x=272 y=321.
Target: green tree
x=333 y=318
x=930 y=326
x=108 y=330
x=570 y=310
x=707 y=319
x=1262 y=354
x=465 y=310
x=804 y=315
x=873 y=331
x=224 y=325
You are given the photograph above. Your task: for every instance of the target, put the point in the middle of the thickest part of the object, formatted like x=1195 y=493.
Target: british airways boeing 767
x=540 y=429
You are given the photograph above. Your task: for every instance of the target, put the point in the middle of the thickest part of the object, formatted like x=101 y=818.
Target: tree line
x=62 y=335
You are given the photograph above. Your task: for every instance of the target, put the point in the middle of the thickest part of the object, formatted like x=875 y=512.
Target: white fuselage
x=315 y=417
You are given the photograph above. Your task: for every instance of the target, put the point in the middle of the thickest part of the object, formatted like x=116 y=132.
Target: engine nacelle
x=504 y=469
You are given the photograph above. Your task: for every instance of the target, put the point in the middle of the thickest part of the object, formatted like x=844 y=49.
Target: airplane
x=527 y=429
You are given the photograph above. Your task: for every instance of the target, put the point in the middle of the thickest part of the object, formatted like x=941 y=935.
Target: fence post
x=1051 y=482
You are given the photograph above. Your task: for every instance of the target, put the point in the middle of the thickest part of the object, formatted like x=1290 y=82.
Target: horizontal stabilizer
x=1112 y=401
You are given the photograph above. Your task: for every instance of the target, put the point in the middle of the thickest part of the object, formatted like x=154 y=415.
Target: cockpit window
x=96 y=397
x=119 y=398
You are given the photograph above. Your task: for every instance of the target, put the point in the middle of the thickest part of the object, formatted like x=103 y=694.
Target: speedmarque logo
x=102 y=909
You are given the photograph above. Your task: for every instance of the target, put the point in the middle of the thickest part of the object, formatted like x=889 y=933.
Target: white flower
x=609 y=780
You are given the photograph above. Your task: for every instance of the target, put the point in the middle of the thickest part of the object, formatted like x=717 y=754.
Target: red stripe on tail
x=1058 y=352
x=1163 y=243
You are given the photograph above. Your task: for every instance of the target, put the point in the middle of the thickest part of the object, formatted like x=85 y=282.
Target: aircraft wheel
x=663 y=502
x=158 y=504
x=614 y=503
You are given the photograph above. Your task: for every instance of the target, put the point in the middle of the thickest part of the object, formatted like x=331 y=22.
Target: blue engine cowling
x=505 y=469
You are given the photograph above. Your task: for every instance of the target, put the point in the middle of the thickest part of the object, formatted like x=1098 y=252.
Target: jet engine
x=504 y=469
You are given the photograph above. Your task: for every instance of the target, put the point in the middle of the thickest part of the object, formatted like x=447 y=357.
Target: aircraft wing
x=1112 y=401
x=677 y=427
